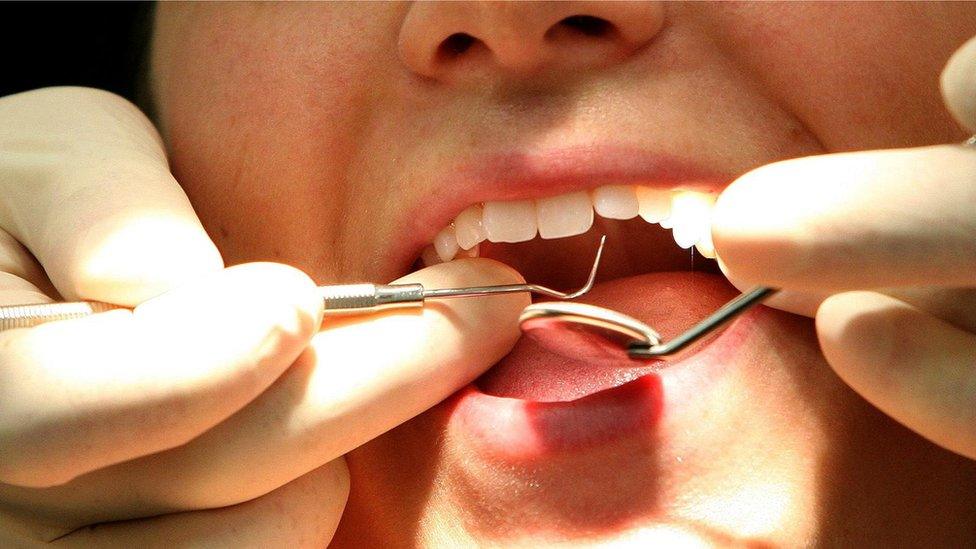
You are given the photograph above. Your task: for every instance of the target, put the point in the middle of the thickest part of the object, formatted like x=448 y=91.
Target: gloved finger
x=82 y=394
x=791 y=301
x=91 y=196
x=800 y=303
x=307 y=509
x=918 y=369
x=853 y=221
x=17 y=291
x=360 y=377
x=959 y=85
x=957 y=306
x=22 y=280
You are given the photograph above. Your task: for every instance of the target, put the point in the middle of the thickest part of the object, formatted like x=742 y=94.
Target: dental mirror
x=588 y=331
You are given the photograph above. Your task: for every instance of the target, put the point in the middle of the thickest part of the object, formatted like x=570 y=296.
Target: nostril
x=455 y=45
x=587 y=25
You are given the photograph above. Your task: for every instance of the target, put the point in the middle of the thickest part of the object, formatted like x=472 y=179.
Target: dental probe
x=351 y=298
x=336 y=299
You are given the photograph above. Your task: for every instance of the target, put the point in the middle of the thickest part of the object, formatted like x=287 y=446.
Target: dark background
x=97 y=44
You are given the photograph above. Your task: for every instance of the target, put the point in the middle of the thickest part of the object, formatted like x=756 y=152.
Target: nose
x=452 y=41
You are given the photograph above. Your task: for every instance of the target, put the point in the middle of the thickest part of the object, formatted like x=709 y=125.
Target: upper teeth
x=686 y=213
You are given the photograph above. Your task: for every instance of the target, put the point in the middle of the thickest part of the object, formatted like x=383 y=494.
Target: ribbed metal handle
x=345 y=298
x=351 y=298
x=348 y=296
x=28 y=316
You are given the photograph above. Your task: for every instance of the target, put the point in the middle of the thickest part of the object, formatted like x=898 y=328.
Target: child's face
x=302 y=134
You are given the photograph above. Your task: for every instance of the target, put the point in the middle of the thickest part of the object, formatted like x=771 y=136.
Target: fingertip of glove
x=744 y=225
x=958 y=84
x=282 y=294
x=244 y=302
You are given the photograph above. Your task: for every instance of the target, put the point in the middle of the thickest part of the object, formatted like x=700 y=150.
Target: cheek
x=861 y=76
x=265 y=105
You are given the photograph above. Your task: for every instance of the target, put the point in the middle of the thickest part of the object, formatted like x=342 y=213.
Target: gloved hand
x=217 y=408
x=880 y=246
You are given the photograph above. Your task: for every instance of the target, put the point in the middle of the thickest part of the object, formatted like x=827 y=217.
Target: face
x=344 y=139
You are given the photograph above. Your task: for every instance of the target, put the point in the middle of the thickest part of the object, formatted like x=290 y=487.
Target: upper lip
x=523 y=175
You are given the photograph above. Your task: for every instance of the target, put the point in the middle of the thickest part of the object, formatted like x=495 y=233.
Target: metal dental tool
x=614 y=332
x=370 y=297
x=336 y=299
x=626 y=336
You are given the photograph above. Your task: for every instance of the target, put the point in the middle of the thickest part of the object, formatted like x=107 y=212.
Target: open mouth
x=543 y=214
x=658 y=267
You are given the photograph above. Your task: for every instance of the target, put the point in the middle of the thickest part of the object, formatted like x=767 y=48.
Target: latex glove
x=216 y=413
x=890 y=237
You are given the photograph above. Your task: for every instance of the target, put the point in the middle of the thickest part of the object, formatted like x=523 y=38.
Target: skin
x=340 y=117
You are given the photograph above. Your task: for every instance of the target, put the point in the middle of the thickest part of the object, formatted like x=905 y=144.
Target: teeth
x=690 y=212
x=474 y=251
x=509 y=221
x=684 y=236
x=705 y=246
x=430 y=256
x=615 y=202
x=446 y=243
x=653 y=204
x=564 y=215
x=687 y=213
x=468 y=227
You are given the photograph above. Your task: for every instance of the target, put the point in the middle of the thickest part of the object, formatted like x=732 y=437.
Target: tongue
x=669 y=302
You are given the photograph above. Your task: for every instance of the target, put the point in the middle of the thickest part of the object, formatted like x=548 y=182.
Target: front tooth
x=690 y=217
x=469 y=228
x=509 y=221
x=615 y=202
x=667 y=223
x=564 y=215
x=653 y=204
x=446 y=244
x=705 y=245
x=473 y=251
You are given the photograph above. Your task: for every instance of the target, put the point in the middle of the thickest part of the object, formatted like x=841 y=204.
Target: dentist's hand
x=889 y=238
x=216 y=413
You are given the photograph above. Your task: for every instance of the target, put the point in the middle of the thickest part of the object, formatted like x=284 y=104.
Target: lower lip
x=618 y=402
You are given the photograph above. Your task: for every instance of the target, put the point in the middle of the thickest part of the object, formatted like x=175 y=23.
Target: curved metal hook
x=513 y=288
